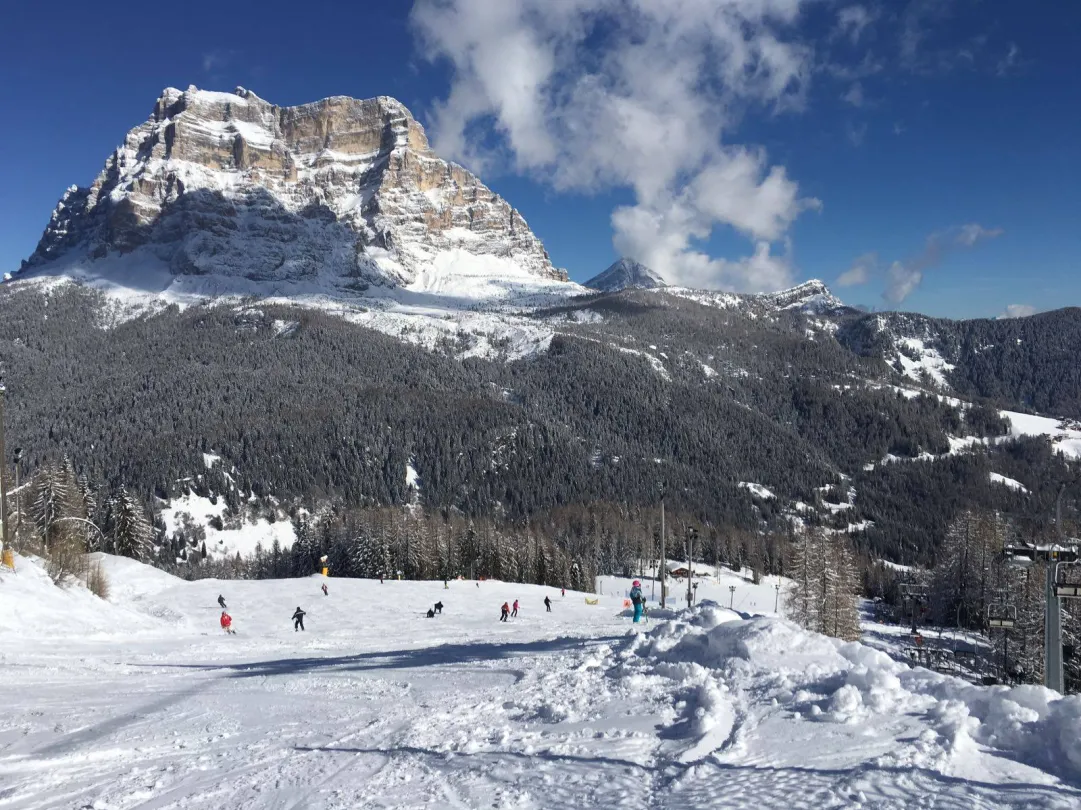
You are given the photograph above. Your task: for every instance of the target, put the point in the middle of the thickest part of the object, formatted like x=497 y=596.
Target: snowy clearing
x=144 y=702
x=757 y=490
x=230 y=540
x=928 y=361
x=1008 y=482
x=1065 y=438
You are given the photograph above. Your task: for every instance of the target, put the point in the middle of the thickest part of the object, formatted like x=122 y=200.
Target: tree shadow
x=669 y=770
x=444 y=655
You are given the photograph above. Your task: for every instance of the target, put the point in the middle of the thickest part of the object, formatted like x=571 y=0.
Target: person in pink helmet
x=637 y=600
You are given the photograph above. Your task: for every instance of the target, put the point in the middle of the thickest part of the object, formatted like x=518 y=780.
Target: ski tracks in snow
x=560 y=711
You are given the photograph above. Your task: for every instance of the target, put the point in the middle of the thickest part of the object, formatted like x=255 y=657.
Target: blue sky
x=938 y=141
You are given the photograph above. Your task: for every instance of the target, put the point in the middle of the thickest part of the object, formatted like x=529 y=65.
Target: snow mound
x=764 y=671
x=32 y=607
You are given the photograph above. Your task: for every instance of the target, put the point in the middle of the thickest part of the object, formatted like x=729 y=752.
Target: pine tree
x=960 y=586
x=839 y=612
x=132 y=535
x=803 y=601
x=52 y=499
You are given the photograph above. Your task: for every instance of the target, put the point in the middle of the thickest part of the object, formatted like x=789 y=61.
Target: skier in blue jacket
x=637 y=600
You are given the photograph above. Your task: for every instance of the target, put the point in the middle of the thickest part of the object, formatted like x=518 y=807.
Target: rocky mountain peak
x=232 y=185
x=811 y=295
x=626 y=274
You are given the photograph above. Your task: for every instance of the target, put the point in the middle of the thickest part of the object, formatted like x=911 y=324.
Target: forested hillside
x=636 y=392
x=1028 y=362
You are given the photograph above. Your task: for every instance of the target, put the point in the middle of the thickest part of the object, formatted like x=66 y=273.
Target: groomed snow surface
x=142 y=702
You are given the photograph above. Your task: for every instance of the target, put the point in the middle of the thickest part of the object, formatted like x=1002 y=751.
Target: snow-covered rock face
x=626 y=274
x=810 y=296
x=227 y=184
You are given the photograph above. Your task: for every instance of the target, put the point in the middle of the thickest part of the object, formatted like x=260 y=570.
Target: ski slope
x=141 y=702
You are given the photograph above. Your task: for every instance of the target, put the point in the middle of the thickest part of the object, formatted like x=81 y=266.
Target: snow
x=1065 y=437
x=862 y=526
x=209 y=460
x=929 y=361
x=757 y=490
x=253 y=134
x=655 y=362
x=213 y=96
x=493 y=314
x=964 y=444
x=232 y=540
x=895 y=566
x=1009 y=482
x=142 y=702
x=458 y=274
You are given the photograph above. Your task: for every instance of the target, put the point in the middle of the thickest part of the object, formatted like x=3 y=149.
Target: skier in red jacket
x=227 y=623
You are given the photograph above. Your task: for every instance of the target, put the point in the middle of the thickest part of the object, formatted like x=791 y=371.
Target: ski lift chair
x=1001 y=615
x=1063 y=588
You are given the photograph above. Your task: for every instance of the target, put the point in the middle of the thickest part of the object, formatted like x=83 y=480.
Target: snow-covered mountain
x=626 y=274
x=335 y=195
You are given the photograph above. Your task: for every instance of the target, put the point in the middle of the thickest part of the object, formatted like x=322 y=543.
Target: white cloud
x=215 y=59
x=856 y=133
x=863 y=267
x=903 y=278
x=968 y=235
x=854 y=96
x=1019 y=311
x=851 y=22
x=590 y=95
x=1009 y=61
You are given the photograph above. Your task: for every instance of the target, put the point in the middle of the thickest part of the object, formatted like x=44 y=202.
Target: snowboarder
x=637 y=600
x=438 y=607
x=221 y=601
x=298 y=619
x=325 y=592
x=548 y=604
x=504 y=612
x=431 y=613
x=227 y=622
x=514 y=612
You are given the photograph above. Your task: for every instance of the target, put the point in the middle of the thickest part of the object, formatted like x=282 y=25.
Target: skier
x=431 y=613
x=548 y=604
x=221 y=601
x=325 y=592
x=227 y=623
x=514 y=612
x=380 y=577
x=446 y=587
x=438 y=607
x=637 y=600
x=298 y=619
x=504 y=612
x=562 y=591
